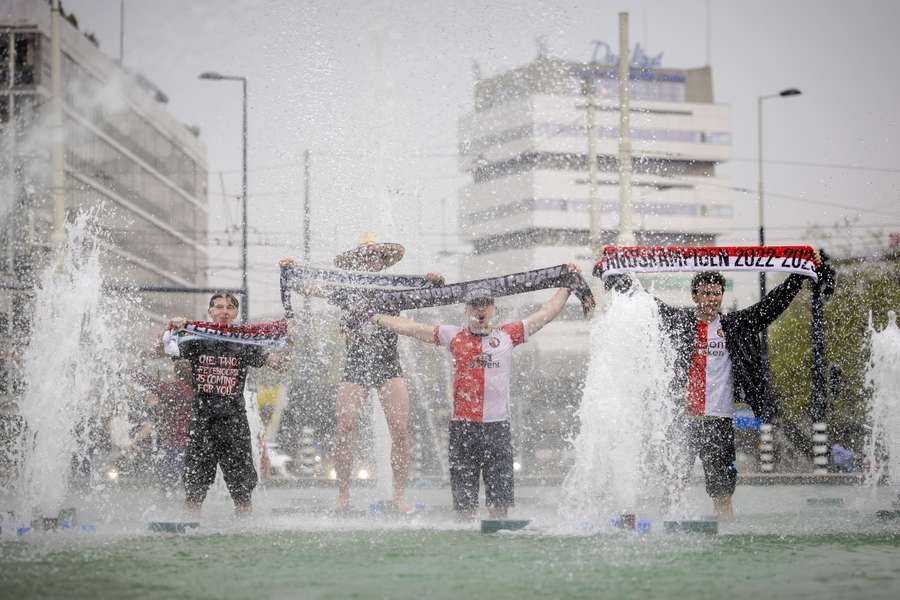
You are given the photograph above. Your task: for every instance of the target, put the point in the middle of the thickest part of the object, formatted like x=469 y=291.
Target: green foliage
x=873 y=285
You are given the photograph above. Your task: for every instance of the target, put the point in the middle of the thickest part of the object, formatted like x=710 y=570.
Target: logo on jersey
x=720 y=332
x=716 y=348
x=494 y=342
x=484 y=361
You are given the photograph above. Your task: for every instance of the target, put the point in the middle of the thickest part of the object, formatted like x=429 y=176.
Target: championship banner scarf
x=373 y=300
x=273 y=335
x=619 y=260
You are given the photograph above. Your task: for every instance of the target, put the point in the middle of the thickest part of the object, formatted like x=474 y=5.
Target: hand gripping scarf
x=619 y=260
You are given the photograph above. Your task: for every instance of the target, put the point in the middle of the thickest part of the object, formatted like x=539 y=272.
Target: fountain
x=883 y=377
x=622 y=455
x=74 y=368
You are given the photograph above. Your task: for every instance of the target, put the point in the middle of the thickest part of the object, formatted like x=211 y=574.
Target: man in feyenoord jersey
x=480 y=438
x=718 y=356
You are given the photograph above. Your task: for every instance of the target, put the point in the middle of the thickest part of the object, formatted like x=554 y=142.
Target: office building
x=123 y=151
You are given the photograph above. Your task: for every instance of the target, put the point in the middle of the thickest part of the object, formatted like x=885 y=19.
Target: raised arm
x=552 y=308
x=548 y=311
x=169 y=341
x=406 y=327
x=309 y=288
x=763 y=313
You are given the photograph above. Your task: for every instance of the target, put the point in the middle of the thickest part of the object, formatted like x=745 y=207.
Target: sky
x=374 y=90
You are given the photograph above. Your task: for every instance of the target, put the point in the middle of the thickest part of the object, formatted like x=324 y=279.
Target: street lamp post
x=245 y=308
x=759 y=121
x=764 y=335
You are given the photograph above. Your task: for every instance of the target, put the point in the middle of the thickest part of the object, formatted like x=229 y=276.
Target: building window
x=4 y=60
x=25 y=59
x=24 y=113
x=642 y=87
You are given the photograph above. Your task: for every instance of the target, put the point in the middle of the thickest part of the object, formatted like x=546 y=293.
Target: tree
x=863 y=286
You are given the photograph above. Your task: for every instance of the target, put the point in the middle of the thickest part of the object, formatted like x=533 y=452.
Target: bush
x=862 y=286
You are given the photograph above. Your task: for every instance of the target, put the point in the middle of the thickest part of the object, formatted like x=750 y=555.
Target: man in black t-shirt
x=219 y=432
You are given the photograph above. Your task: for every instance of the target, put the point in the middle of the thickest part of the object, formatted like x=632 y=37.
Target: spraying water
x=883 y=376
x=71 y=366
x=622 y=458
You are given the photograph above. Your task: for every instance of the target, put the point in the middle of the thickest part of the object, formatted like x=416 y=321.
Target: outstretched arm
x=552 y=308
x=406 y=327
x=548 y=311
x=763 y=313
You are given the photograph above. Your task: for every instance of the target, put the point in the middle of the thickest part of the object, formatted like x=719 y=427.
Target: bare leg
x=243 y=509
x=349 y=400
x=395 y=402
x=466 y=515
x=723 y=508
x=192 y=508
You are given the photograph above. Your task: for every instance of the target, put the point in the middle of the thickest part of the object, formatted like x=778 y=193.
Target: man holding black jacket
x=718 y=357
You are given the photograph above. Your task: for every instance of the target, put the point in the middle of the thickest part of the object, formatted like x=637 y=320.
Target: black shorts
x=372 y=357
x=370 y=373
x=476 y=450
x=219 y=441
x=712 y=438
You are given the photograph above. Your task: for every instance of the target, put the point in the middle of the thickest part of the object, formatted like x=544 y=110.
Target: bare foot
x=402 y=506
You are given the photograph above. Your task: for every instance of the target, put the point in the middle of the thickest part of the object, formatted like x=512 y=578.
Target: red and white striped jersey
x=710 y=380
x=482 y=365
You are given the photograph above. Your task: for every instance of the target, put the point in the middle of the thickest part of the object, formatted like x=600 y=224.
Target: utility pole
x=306 y=207
x=786 y=93
x=593 y=202
x=121 y=32
x=306 y=225
x=708 y=36
x=626 y=233
x=245 y=313
x=57 y=135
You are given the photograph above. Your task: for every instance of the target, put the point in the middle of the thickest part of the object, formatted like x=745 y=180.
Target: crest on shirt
x=720 y=332
x=493 y=342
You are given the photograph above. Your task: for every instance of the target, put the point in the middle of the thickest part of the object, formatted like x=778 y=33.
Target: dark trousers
x=712 y=438
x=481 y=450
x=222 y=441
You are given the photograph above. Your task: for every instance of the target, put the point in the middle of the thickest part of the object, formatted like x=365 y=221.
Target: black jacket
x=741 y=330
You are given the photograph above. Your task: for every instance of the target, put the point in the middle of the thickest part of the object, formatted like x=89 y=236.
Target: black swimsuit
x=372 y=356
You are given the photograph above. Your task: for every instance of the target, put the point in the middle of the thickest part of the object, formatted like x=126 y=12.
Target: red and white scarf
x=617 y=260
x=273 y=334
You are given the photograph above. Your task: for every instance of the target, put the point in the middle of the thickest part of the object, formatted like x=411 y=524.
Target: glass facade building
x=124 y=153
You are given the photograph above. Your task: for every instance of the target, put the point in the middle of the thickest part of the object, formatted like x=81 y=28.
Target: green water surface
x=456 y=564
